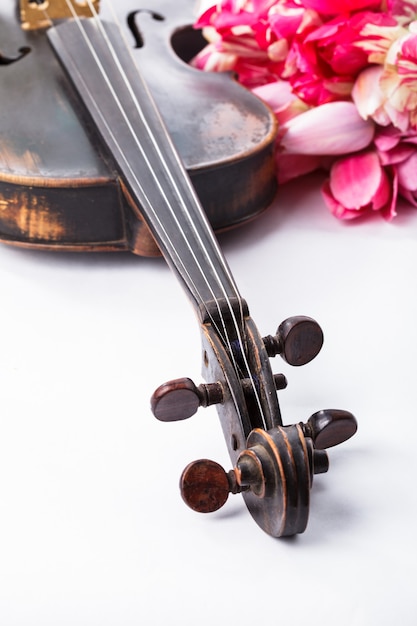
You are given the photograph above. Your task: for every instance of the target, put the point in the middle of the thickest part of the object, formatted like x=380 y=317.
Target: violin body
x=59 y=188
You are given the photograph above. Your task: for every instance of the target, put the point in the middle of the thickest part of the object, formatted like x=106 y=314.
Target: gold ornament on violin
x=35 y=14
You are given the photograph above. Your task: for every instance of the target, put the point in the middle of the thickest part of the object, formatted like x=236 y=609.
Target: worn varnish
x=58 y=184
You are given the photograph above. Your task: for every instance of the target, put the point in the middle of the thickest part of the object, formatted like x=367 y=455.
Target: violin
x=125 y=164
x=60 y=187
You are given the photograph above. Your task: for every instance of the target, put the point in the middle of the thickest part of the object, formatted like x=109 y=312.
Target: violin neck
x=103 y=72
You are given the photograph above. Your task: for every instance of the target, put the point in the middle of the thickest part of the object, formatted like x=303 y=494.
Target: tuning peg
x=298 y=340
x=277 y=468
x=179 y=399
x=205 y=485
x=330 y=427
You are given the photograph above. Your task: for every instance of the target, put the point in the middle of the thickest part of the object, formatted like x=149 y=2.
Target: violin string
x=184 y=268
x=183 y=203
x=144 y=156
x=210 y=232
x=230 y=386
x=173 y=214
x=180 y=262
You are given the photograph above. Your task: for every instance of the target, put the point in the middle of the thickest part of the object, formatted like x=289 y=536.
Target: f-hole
x=9 y=60
x=186 y=42
x=131 y=22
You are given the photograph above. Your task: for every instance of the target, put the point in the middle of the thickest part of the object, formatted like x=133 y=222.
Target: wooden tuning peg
x=179 y=399
x=205 y=485
x=298 y=340
x=330 y=427
x=274 y=474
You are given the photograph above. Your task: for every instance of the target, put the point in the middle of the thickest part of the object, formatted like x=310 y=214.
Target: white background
x=93 y=531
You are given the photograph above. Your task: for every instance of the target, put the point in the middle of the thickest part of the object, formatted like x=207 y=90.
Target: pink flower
x=372 y=102
x=322 y=65
x=341 y=78
x=240 y=55
x=291 y=166
x=252 y=39
x=338 y=7
x=399 y=79
x=358 y=185
x=280 y=98
x=388 y=92
x=398 y=150
x=404 y=11
x=331 y=129
x=407 y=178
x=372 y=180
x=377 y=38
x=313 y=138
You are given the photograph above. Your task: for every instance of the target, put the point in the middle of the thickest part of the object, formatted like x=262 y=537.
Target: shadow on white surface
x=92 y=527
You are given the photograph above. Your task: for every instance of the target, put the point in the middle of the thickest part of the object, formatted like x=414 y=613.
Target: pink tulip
x=398 y=150
x=312 y=139
x=337 y=7
x=331 y=129
x=407 y=179
x=291 y=166
x=280 y=98
x=359 y=184
x=341 y=78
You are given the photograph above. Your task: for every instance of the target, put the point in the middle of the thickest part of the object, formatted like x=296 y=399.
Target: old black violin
x=137 y=159
x=59 y=186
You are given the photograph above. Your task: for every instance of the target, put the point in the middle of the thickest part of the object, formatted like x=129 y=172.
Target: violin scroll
x=275 y=472
x=273 y=464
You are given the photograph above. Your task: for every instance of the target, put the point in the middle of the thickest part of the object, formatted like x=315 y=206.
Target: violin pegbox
x=274 y=473
x=273 y=464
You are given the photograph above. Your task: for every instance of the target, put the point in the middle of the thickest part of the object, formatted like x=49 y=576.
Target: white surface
x=93 y=531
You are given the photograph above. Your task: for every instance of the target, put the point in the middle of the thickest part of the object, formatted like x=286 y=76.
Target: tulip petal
x=382 y=194
x=276 y=94
x=334 y=128
x=387 y=138
x=355 y=180
x=290 y=166
x=396 y=155
x=366 y=92
x=390 y=210
x=336 y=208
x=280 y=98
x=407 y=173
x=335 y=7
